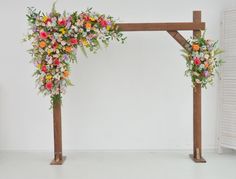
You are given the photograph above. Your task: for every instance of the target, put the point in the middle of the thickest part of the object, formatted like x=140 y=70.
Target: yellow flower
x=62 y=30
x=49 y=51
x=39 y=66
x=45 y=18
x=92 y=19
x=108 y=27
x=48 y=77
x=85 y=42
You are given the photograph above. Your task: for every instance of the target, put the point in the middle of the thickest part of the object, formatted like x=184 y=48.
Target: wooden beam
x=161 y=26
x=58 y=157
x=180 y=39
x=197 y=90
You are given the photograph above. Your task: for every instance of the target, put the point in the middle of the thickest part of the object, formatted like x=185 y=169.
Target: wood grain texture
x=180 y=39
x=197 y=108
x=58 y=158
x=161 y=26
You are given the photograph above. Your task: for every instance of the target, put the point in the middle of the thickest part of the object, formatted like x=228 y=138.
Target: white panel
x=228 y=82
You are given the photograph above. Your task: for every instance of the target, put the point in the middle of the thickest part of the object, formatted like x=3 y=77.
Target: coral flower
x=88 y=25
x=195 y=47
x=66 y=74
x=206 y=65
x=197 y=61
x=68 y=49
x=43 y=35
x=73 y=41
x=42 y=44
x=44 y=68
x=57 y=61
x=49 y=85
x=62 y=22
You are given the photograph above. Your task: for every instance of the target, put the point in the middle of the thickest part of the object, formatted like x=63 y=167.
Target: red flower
x=48 y=20
x=73 y=41
x=86 y=18
x=103 y=23
x=49 y=85
x=55 y=45
x=57 y=61
x=43 y=35
x=44 y=68
x=62 y=22
x=197 y=61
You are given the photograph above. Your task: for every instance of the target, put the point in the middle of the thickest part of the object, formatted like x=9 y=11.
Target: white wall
x=131 y=96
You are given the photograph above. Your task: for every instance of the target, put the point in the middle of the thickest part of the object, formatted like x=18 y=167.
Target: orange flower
x=88 y=25
x=66 y=74
x=195 y=47
x=68 y=49
x=42 y=44
x=206 y=65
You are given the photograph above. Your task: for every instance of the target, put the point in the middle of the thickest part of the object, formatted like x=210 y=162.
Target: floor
x=117 y=165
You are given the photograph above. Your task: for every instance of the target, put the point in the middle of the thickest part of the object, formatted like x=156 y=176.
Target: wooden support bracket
x=180 y=39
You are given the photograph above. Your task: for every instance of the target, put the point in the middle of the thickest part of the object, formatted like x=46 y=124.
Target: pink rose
x=197 y=61
x=49 y=85
x=62 y=22
x=103 y=23
x=43 y=35
x=44 y=68
x=73 y=41
x=57 y=61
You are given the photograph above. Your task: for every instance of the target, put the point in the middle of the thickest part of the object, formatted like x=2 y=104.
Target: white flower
x=62 y=69
x=206 y=56
x=63 y=43
x=197 y=81
x=50 y=61
x=202 y=66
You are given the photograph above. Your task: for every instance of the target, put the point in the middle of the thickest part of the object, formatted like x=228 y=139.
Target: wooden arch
x=172 y=28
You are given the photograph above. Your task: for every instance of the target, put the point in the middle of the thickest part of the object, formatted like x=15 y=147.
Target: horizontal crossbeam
x=161 y=26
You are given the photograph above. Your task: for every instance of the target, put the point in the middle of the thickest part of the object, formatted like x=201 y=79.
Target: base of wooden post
x=201 y=160
x=58 y=161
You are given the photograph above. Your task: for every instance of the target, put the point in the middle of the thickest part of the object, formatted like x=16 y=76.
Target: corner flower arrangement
x=55 y=38
x=202 y=60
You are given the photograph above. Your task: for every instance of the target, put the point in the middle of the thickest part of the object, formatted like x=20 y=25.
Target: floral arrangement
x=202 y=60
x=55 y=38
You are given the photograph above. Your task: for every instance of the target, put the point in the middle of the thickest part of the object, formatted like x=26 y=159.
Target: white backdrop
x=132 y=96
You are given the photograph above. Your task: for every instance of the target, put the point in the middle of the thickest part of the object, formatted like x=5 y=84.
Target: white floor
x=117 y=165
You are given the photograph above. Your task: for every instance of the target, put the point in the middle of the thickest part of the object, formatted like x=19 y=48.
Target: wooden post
x=58 y=157
x=197 y=133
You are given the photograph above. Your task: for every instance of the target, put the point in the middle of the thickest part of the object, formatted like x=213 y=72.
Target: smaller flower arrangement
x=202 y=60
